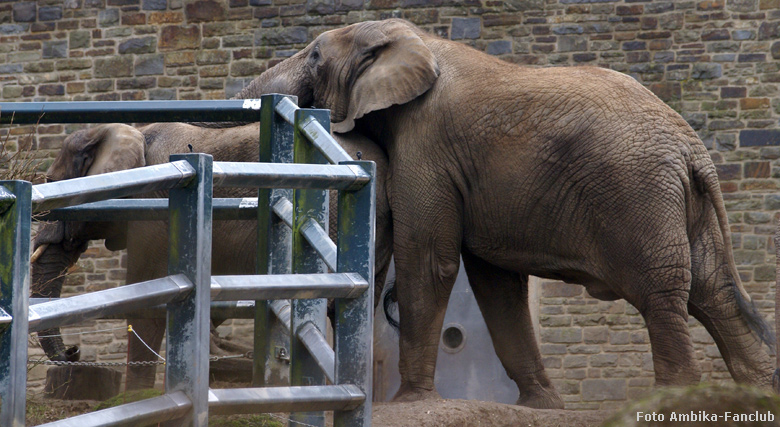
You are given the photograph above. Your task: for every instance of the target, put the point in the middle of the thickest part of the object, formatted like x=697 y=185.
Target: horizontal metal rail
x=76 y=309
x=284 y=399
x=155 y=410
x=149 y=210
x=107 y=186
x=246 y=110
x=289 y=175
x=318 y=347
x=219 y=310
x=287 y=286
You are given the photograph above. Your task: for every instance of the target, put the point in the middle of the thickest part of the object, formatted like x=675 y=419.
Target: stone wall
x=714 y=61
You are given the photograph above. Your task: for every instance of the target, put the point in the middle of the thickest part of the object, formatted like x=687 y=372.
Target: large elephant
x=579 y=174
x=113 y=147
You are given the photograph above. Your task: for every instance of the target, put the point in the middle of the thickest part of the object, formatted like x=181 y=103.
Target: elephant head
x=353 y=71
x=59 y=244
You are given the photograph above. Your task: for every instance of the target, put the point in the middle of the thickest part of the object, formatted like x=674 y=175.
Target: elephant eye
x=315 y=54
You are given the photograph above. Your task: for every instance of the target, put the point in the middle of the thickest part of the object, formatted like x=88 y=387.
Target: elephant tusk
x=38 y=252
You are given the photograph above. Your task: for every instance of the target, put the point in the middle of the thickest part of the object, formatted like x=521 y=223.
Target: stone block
x=24 y=12
x=162 y=94
x=149 y=65
x=174 y=37
x=776 y=50
x=572 y=43
x=154 y=4
x=757 y=169
x=138 y=45
x=733 y=92
x=596 y=335
x=562 y=335
x=49 y=13
x=466 y=28
x=560 y=289
x=118 y=66
x=704 y=71
x=79 y=39
x=55 y=49
x=282 y=36
x=759 y=137
x=204 y=11
x=603 y=389
x=246 y=68
x=108 y=17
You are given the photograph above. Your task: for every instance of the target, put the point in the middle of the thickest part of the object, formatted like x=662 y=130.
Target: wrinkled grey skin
x=114 y=147
x=578 y=174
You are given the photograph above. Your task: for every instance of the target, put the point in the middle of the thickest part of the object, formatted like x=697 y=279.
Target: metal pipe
x=284 y=399
x=319 y=240
x=284 y=286
x=219 y=310
x=278 y=175
x=149 y=210
x=107 y=186
x=246 y=110
x=5 y=318
x=149 y=411
x=286 y=109
x=324 y=142
x=76 y=309
x=318 y=347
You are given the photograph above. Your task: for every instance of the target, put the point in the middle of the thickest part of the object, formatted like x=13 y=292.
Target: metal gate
x=294 y=254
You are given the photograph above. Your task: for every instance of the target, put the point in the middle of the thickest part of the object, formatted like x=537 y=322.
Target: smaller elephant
x=114 y=147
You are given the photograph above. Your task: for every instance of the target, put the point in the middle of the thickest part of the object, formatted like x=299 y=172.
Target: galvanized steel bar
x=274 y=245
x=319 y=349
x=151 y=411
x=324 y=142
x=5 y=319
x=287 y=286
x=276 y=175
x=286 y=108
x=124 y=299
x=14 y=292
x=308 y=205
x=129 y=111
x=283 y=208
x=7 y=199
x=219 y=310
x=149 y=210
x=353 y=337
x=282 y=309
x=189 y=253
x=319 y=240
x=107 y=186
x=229 y=401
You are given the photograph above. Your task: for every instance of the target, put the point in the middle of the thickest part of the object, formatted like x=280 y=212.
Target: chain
x=247 y=355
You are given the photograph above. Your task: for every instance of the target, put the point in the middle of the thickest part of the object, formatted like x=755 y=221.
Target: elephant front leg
x=427 y=259
x=502 y=297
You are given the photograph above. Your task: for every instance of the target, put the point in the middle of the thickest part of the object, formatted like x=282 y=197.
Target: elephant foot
x=541 y=399
x=411 y=394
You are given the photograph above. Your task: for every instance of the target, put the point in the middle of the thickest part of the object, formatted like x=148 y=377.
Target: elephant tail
x=389 y=301
x=705 y=177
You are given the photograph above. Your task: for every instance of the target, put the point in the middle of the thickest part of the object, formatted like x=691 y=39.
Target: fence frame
x=190 y=284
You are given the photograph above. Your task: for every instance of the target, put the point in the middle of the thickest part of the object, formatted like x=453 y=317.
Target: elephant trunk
x=48 y=276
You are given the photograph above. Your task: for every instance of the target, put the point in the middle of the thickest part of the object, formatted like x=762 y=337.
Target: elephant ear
x=404 y=68
x=101 y=149
x=115 y=147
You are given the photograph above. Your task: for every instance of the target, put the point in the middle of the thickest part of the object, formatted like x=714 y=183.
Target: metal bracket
x=282 y=354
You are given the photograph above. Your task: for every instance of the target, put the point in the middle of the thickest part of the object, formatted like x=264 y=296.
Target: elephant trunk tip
x=755 y=321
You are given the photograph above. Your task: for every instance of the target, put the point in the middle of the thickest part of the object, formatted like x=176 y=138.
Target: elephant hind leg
x=666 y=315
x=715 y=303
x=502 y=297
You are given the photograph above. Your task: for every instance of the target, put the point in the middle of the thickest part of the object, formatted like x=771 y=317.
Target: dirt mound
x=704 y=404
x=455 y=412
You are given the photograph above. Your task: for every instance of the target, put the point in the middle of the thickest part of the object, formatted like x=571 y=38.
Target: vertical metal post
x=14 y=293
x=189 y=253
x=354 y=317
x=274 y=247
x=307 y=205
